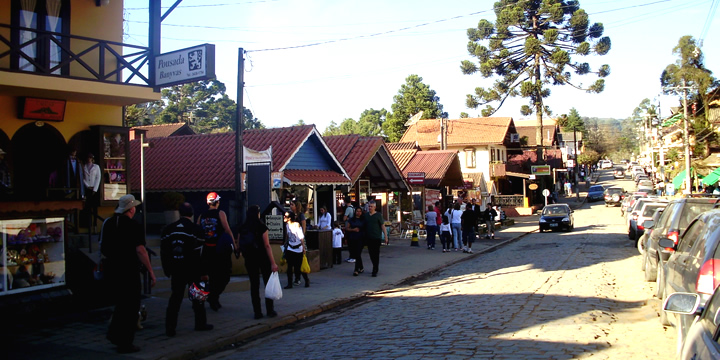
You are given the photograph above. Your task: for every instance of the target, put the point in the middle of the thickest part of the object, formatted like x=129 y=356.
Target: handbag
x=305 y=267
x=272 y=288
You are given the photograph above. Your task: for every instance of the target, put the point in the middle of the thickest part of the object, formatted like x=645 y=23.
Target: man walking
x=217 y=235
x=375 y=228
x=181 y=253
x=490 y=215
x=123 y=245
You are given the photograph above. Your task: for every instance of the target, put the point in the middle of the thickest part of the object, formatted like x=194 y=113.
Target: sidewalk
x=329 y=288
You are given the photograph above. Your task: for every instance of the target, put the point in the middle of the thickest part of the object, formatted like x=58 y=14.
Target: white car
x=606 y=164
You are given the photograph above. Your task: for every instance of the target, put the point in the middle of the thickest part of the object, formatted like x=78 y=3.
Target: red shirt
x=439 y=215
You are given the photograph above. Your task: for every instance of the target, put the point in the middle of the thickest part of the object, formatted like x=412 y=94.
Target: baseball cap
x=213 y=197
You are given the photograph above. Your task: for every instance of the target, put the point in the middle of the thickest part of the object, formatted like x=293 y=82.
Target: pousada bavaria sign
x=185 y=65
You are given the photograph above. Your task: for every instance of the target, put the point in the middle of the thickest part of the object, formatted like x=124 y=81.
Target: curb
x=259 y=329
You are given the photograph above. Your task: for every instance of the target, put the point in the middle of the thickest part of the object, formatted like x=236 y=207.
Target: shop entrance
x=38 y=151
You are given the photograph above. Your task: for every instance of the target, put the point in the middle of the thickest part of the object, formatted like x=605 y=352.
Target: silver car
x=701 y=341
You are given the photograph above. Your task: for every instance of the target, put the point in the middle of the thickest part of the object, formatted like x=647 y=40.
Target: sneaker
x=432 y=248
x=469 y=251
x=350 y=260
x=455 y=249
x=296 y=283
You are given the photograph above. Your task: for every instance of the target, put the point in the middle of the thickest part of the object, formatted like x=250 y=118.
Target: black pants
x=256 y=263
x=126 y=292
x=374 y=251
x=337 y=256
x=356 y=248
x=294 y=261
x=178 y=285
x=220 y=269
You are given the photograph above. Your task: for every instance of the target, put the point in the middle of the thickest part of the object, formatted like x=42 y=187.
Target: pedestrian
x=445 y=234
x=490 y=215
x=91 y=181
x=294 y=251
x=217 y=236
x=455 y=216
x=123 y=246
x=469 y=222
x=355 y=229
x=72 y=179
x=431 y=227
x=439 y=214
x=259 y=259
x=349 y=212
x=297 y=208
x=375 y=228
x=337 y=243
x=324 y=221
x=181 y=248
x=476 y=207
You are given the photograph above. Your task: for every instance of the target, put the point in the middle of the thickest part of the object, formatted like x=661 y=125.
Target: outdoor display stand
x=321 y=240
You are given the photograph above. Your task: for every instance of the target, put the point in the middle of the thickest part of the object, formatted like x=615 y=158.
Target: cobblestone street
x=547 y=296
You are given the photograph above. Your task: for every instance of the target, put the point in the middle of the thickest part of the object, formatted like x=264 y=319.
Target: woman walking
x=355 y=229
x=258 y=259
x=295 y=251
x=455 y=216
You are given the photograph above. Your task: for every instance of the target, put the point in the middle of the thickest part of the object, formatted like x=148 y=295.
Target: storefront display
x=115 y=162
x=33 y=254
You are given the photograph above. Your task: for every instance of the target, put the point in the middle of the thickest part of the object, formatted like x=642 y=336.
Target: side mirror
x=683 y=303
x=666 y=243
x=648 y=224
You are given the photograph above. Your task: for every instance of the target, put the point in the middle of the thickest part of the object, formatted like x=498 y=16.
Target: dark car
x=701 y=341
x=614 y=196
x=596 y=192
x=674 y=220
x=556 y=217
x=694 y=266
x=619 y=173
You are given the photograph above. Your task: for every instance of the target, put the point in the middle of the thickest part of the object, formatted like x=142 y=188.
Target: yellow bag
x=305 y=267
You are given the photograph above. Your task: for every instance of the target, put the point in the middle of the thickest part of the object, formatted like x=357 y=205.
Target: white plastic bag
x=272 y=288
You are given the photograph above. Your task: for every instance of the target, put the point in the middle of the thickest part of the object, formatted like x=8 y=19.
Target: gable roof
x=402 y=153
x=441 y=167
x=367 y=155
x=530 y=133
x=163 y=130
x=461 y=132
x=206 y=162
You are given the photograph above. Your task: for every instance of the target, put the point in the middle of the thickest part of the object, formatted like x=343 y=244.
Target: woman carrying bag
x=258 y=258
x=295 y=250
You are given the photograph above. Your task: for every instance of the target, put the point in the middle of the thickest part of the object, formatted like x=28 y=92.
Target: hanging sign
x=185 y=65
x=540 y=169
x=416 y=178
x=41 y=109
x=256 y=156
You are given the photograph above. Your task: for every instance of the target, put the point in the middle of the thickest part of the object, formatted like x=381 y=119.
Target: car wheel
x=641 y=246
x=650 y=273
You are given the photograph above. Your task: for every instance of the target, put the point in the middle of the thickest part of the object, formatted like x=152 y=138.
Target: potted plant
x=172 y=201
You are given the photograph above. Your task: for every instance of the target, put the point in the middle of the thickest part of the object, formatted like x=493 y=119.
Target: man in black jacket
x=181 y=253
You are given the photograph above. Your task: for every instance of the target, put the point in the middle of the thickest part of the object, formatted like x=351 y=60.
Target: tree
x=182 y=101
x=300 y=122
x=589 y=157
x=573 y=121
x=464 y=115
x=414 y=96
x=371 y=121
x=530 y=47
x=142 y=114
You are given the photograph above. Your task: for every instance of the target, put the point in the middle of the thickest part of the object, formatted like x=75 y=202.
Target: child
x=445 y=234
x=337 y=243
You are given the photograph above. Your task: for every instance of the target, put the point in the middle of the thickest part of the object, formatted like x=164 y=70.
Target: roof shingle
x=460 y=132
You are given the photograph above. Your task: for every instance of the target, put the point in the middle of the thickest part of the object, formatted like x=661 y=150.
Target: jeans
x=294 y=261
x=431 y=231
x=356 y=247
x=457 y=235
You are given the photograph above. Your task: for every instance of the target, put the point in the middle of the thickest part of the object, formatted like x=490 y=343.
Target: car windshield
x=650 y=209
x=555 y=210
x=596 y=188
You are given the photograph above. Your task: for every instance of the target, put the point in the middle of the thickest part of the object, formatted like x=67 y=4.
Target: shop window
x=115 y=164
x=42 y=49
x=469 y=157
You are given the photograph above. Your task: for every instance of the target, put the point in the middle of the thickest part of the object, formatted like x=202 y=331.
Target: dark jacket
x=181 y=249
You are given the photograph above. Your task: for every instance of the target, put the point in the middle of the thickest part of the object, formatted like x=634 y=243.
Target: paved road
x=546 y=296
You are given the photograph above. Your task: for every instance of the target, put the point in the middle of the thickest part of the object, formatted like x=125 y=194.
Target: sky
x=328 y=60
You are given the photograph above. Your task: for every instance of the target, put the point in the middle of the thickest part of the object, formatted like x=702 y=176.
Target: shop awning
x=679 y=178
x=673 y=119
x=712 y=178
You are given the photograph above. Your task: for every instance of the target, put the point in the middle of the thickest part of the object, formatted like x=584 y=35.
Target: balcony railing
x=79 y=57
x=497 y=170
x=509 y=200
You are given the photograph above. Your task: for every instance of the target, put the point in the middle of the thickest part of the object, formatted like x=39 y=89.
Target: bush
x=172 y=200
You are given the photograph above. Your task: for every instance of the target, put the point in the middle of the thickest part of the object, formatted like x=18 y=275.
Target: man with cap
x=123 y=246
x=219 y=246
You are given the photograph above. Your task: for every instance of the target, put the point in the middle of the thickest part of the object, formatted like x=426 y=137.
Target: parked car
x=694 y=266
x=619 y=173
x=629 y=201
x=649 y=226
x=674 y=221
x=606 y=164
x=633 y=212
x=556 y=217
x=645 y=185
x=596 y=192
x=701 y=340
x=644 y=212
x=613 y=195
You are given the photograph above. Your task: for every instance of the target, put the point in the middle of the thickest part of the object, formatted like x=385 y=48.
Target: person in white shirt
x=324 y=219
x=337 y=243
x=454 y=215
x=91 y=181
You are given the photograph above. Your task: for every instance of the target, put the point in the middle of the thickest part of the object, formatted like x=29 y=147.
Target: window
x=42 y=51
x=469 y=157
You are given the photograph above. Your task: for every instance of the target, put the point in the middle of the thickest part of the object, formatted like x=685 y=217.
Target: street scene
x=321 y=179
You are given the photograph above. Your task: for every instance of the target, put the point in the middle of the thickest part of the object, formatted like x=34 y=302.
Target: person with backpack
x=181 y=248
x=218 y=248
x=254 y=243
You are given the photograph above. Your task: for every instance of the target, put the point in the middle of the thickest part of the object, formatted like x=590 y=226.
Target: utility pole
x=686 y=141
x=577 y=188
x=239 y=195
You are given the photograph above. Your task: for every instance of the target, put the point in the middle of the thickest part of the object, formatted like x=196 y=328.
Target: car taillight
x=641 y=226
x=708 y=277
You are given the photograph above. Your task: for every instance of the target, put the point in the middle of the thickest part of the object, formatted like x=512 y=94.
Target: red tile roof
x=318 y=177
x=530 y=132
x=163 y=130
x=460 y=132
x=401 y=146
x=441 y=167
x=207 y=162
x=354 y=152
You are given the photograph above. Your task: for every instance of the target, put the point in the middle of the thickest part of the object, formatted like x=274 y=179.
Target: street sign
x=540 y=169
x=416 y=178
x=185 y=65
x=546 y=192
x=274 y=224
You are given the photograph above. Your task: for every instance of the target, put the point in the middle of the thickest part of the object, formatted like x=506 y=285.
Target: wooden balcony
x=497 y=169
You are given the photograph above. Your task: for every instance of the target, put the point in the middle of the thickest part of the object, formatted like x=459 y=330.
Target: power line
x=708 y=21
x=209 y=5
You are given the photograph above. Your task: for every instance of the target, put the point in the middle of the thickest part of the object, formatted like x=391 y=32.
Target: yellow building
x=64 y=80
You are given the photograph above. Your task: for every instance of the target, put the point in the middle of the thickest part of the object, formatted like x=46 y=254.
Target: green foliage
x=414 y=96
x=673 y=155
x=573 y=121
x=142 y=114
x=529 y=47
x=464 y=115
x=589 y=157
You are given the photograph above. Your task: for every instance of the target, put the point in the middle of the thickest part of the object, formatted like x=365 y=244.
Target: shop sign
x=185 y=65
x=416 y=178
x=533 y=186
x=41 y=109
x=275 y=226
x=540 y=169
x=277 y=180
x=255 y=156
x=431 y=196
